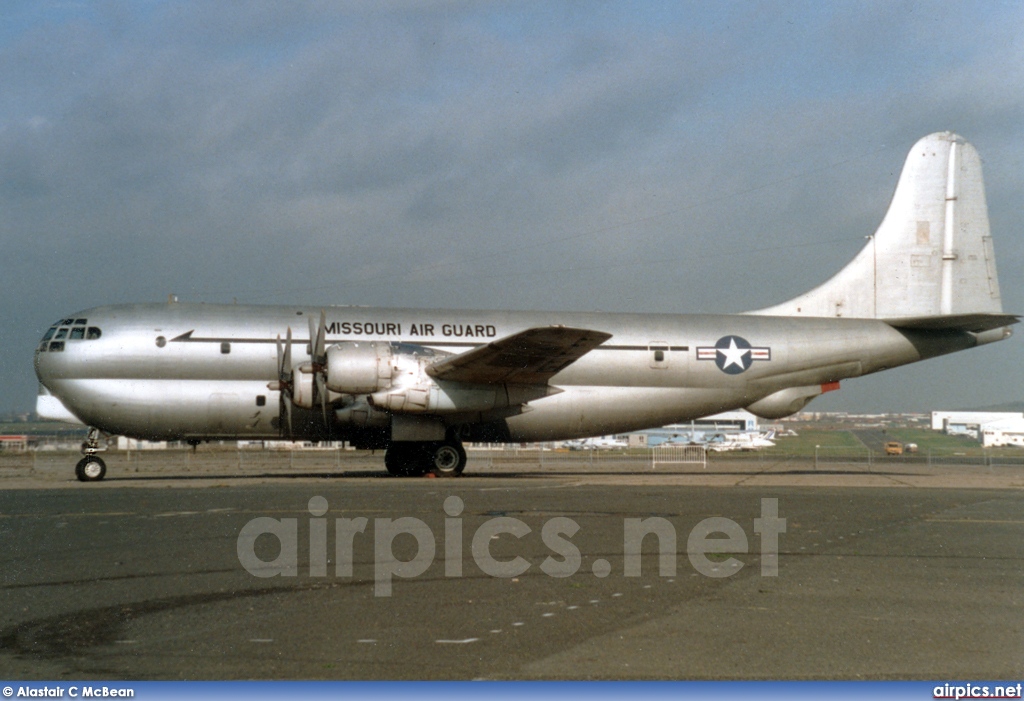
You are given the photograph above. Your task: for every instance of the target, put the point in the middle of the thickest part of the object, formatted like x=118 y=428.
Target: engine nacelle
x=302 y=386
x=360 y=414
x=359 y=367
x=453 y=398
x=394 y=380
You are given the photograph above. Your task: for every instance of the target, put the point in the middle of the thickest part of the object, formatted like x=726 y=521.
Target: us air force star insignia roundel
x=733 y=354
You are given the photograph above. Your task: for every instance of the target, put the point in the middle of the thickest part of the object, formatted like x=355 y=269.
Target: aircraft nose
x=38 y=366
x=60 y=341
x=41 y=355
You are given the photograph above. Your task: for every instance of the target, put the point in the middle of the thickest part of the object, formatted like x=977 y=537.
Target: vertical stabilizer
x=931 y=256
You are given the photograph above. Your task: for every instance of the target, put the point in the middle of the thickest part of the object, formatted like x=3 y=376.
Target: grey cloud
x=485 y=155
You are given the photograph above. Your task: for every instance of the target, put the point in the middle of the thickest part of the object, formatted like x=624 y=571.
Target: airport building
x=13 y=444
x=1003 y=432
x=970 y=423
x=125 y=443
x=730 y=423
x=741 y=421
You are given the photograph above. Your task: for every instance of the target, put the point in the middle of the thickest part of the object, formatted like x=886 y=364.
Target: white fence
x=679 y=455
x=497 y=457
x=250 y=461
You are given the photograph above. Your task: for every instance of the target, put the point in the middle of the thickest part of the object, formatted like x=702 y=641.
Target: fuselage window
x=49 y=333
x=81 y=322
x=56 y=346
x=61 y=333
x=659 y=356
x=77 y=333
x=225 y=347
x=68 y=322
x=261 y=400
x=93 y=333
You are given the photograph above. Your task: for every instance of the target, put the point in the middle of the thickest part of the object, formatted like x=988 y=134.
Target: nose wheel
x=90 y=469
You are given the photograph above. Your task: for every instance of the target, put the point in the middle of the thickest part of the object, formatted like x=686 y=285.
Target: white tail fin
x=932 y=255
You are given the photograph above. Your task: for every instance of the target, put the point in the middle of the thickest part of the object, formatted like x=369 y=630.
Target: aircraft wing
x=530 y=357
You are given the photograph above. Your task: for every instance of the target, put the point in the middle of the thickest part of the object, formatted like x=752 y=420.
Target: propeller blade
x=321 y=339
x=318 y=357
x=284 y=383
x=321 y=390
x=286 y=367
x=317 y=339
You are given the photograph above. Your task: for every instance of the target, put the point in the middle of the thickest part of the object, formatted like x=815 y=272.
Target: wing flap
x=530 y=357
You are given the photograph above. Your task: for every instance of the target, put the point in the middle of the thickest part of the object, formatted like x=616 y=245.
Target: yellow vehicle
x=894 y=448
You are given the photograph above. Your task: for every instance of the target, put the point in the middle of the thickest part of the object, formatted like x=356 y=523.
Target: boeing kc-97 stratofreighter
x=419 y=382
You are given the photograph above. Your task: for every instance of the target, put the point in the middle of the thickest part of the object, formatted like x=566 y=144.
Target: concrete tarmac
x=914 y=575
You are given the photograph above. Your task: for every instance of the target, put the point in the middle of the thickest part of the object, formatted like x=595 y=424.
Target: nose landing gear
x=91 y=468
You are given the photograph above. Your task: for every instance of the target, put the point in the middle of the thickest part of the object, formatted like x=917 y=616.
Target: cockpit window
x=59 y=332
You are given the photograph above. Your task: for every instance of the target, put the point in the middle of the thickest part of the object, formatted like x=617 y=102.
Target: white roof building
x=1004 y=432
x=974 y=419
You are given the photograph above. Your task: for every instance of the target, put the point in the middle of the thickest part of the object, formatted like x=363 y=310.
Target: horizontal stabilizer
x=529 y=357
x=975 y=323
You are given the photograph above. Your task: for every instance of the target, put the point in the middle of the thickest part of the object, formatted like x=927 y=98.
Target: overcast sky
x=675 y=157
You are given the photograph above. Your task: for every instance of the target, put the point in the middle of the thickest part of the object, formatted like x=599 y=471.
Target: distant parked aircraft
x=601 y=443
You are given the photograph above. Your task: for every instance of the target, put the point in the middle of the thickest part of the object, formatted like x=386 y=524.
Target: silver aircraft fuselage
x=420 y=382
x=201 y=371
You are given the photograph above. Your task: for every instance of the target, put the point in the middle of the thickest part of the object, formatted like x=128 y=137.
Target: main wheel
x=90 y=469
x=404 y=459
x=446 y=459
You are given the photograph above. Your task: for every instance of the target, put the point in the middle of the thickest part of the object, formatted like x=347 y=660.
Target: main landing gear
x=91 y=468
x=445 y=458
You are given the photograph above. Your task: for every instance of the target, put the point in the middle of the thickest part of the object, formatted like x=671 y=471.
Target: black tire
x=90 y=469
x=446 y=459
x=405 y=459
